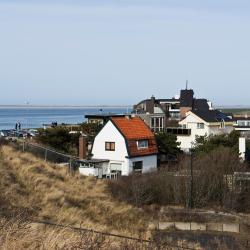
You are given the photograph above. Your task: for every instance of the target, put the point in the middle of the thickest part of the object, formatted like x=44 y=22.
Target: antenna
x=186 y=84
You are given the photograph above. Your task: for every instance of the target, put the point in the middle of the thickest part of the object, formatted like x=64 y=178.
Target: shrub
x=59 y=138
x=151 y=188
x=205 y=144
x=212 y=173
x=167 y=143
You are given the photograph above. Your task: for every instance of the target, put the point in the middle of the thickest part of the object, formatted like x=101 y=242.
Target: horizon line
x=62 y=106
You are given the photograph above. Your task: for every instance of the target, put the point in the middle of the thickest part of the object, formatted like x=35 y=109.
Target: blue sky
x=94 y=52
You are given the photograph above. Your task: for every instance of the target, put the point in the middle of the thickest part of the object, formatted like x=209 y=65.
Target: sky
x=118 y=52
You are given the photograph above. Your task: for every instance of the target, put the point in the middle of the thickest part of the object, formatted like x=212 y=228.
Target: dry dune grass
x=16 y=235
x=38 y=190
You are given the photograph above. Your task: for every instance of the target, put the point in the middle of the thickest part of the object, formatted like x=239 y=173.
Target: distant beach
x=36 y=116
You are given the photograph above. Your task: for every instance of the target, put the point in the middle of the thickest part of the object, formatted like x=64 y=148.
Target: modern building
x=159 y=113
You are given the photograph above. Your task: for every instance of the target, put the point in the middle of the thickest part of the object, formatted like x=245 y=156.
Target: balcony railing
x=179 y=131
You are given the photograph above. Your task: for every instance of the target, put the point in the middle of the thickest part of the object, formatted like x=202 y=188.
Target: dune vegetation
x=32 y=189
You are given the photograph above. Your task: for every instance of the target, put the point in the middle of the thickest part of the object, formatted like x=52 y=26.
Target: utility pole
x=190 y=200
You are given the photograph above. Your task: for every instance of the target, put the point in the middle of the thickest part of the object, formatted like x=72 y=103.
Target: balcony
x=179 y=131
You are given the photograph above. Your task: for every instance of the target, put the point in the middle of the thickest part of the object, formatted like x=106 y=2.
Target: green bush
x=205 y=144
x=59 y=138
x=167 y=143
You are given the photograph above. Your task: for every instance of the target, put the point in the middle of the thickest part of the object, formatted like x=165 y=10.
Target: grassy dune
x=37 y=190
x=34 y=190
x=17 y=235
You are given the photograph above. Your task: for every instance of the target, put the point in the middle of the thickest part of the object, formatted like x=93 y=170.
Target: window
x=142 y=144
x=157 y=124
x=174 y=115
x=110 y=146
x=137 y=166
x=241 y=123
x=200 y=125
x=152 y=122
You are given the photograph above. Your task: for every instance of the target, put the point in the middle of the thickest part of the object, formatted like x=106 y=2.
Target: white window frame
x=200 y=125
x=157 y=119
x=145 y=142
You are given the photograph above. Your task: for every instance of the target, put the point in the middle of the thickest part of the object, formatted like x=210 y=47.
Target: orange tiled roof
x=134 y=129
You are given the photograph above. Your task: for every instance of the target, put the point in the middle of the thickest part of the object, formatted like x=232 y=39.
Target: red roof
x=134 y=129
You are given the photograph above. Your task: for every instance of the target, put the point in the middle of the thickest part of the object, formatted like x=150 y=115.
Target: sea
x=35 y=117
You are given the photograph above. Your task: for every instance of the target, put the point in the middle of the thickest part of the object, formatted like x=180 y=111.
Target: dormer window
x=141 y=144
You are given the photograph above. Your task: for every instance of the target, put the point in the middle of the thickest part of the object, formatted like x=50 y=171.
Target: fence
x=46 y=153
x=165 y=241
x=145 y=243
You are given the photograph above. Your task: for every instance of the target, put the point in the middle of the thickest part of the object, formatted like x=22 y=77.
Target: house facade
x=124 y=145
x=202 y=123
x=159 y=113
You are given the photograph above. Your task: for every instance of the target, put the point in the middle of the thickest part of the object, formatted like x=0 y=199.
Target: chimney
x=153 y=98
x=150 y=105
x=82 y=148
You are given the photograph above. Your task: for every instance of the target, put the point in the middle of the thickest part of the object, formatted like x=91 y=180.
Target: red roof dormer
x=134 y=130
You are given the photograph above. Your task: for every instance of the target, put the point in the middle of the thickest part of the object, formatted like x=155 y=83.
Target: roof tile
x=134 y=129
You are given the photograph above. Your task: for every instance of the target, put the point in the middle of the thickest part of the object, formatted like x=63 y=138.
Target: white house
x=124 y=145
x=203 y=123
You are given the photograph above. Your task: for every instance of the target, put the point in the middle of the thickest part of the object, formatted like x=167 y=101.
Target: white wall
x=88 y=171
x=109 y=133
x=185 y=142
x=149 y=163
x=242 y=148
